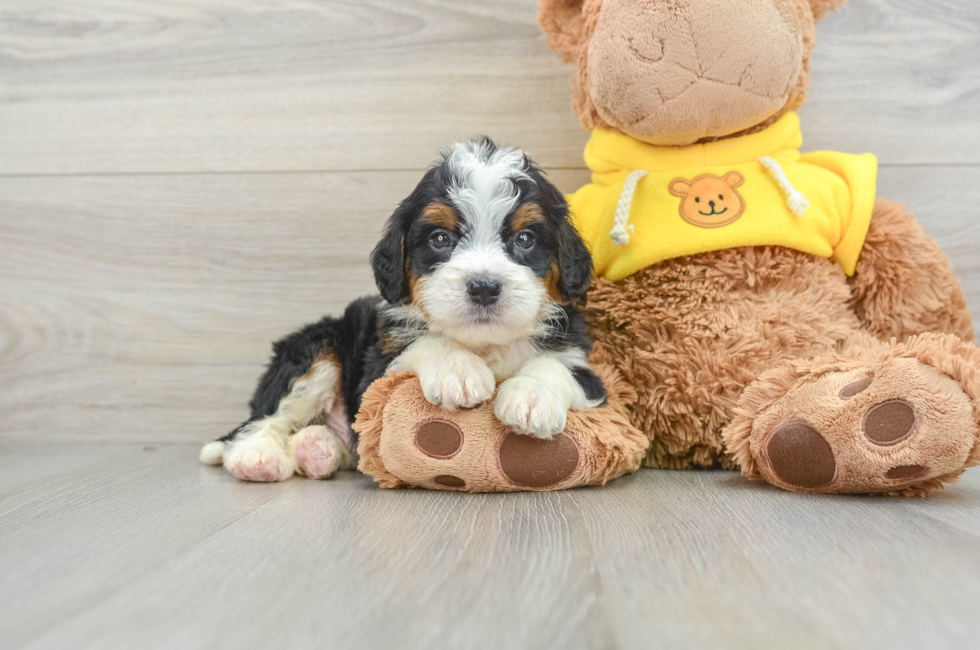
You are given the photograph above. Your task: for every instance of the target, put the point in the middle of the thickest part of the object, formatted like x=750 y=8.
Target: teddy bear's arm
x=904 y=284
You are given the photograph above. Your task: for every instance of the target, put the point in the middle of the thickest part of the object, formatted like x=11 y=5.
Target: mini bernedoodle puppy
x=477 y=271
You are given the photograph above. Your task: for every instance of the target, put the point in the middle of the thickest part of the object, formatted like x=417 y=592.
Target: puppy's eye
x=441 y=240
x=525 y=239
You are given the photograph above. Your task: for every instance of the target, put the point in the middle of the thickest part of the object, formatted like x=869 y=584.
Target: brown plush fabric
x=822 y=7
x=668 y=73
x=915 y=427
x=369 y=425
x=563 y=22
x=690 y=334
x=598 y=444
x=904 y=283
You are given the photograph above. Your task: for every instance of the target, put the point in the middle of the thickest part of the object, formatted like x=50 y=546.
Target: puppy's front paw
x=530 y=407
x=457 y=380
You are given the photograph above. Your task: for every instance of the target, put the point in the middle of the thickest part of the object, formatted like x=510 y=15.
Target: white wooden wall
x=183 y=181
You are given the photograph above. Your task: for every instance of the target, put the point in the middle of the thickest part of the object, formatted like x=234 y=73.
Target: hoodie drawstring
x=621 y=231
x=796 y=200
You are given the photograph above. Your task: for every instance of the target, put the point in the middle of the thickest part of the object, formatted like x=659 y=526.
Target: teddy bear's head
x=675 y=72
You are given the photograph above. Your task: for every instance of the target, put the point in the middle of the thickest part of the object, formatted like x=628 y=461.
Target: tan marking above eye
x=439 y=214
x=526 y=215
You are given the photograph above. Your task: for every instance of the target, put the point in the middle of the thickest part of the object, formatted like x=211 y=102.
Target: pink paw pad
x=318 y=452
x=259 y=465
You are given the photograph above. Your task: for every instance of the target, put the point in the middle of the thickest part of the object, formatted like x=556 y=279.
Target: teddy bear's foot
x=904 y=423
x=319 y=452
x=407 y=441
x=259 y=459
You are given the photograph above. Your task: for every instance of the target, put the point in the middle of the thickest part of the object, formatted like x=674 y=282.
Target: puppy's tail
x=212 y=453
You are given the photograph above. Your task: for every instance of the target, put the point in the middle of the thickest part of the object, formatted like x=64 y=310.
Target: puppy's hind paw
x=263 y=462
x=318 y=452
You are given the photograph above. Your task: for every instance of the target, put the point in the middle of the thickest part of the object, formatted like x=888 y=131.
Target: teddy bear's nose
x=711 y=203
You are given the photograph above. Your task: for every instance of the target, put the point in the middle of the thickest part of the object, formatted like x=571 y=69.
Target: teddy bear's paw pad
x=889 y=423
x=263 y=463
x=800 y=456
x=903 y=472
x=855 y=388
x=438 y=438
x=450 y=481
x=536 y=463
x=319 y=453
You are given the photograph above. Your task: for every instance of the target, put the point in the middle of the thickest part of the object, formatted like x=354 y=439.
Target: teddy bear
x=770 y=312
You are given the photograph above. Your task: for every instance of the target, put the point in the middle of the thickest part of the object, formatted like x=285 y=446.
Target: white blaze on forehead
x=482 y=188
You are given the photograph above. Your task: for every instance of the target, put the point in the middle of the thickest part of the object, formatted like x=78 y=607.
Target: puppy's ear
x=388 y=259
x=573 y=258
x=563 y=23
x=822 y=7
x=388 y=262
x=574 y=262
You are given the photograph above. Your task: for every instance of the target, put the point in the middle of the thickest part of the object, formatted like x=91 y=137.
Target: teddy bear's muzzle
x=673 y=73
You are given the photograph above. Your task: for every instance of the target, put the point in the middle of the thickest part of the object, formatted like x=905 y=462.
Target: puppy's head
x=482 y=249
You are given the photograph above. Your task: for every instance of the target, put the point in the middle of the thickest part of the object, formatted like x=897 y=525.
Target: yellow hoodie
x=647 y=204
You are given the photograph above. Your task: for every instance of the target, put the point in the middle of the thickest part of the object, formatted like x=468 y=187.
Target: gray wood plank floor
x=182 y=181
x=110 y=545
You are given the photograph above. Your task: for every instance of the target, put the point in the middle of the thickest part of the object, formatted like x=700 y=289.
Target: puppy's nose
x=483 y=291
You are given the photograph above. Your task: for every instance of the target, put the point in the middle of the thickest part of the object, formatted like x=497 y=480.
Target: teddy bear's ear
x=822 y=7
x=734 y=179
x=562 y=21
x=680 y=187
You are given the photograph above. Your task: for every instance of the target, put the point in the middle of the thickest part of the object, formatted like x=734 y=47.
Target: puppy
x=477 y=271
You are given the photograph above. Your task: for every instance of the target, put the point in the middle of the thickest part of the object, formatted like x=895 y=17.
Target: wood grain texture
x=218 y=85
x=145 y=548
x=95 y=86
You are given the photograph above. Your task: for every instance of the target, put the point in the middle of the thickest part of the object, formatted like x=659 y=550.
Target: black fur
x=591 y=384
x=351 y=338
x=568 y=330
